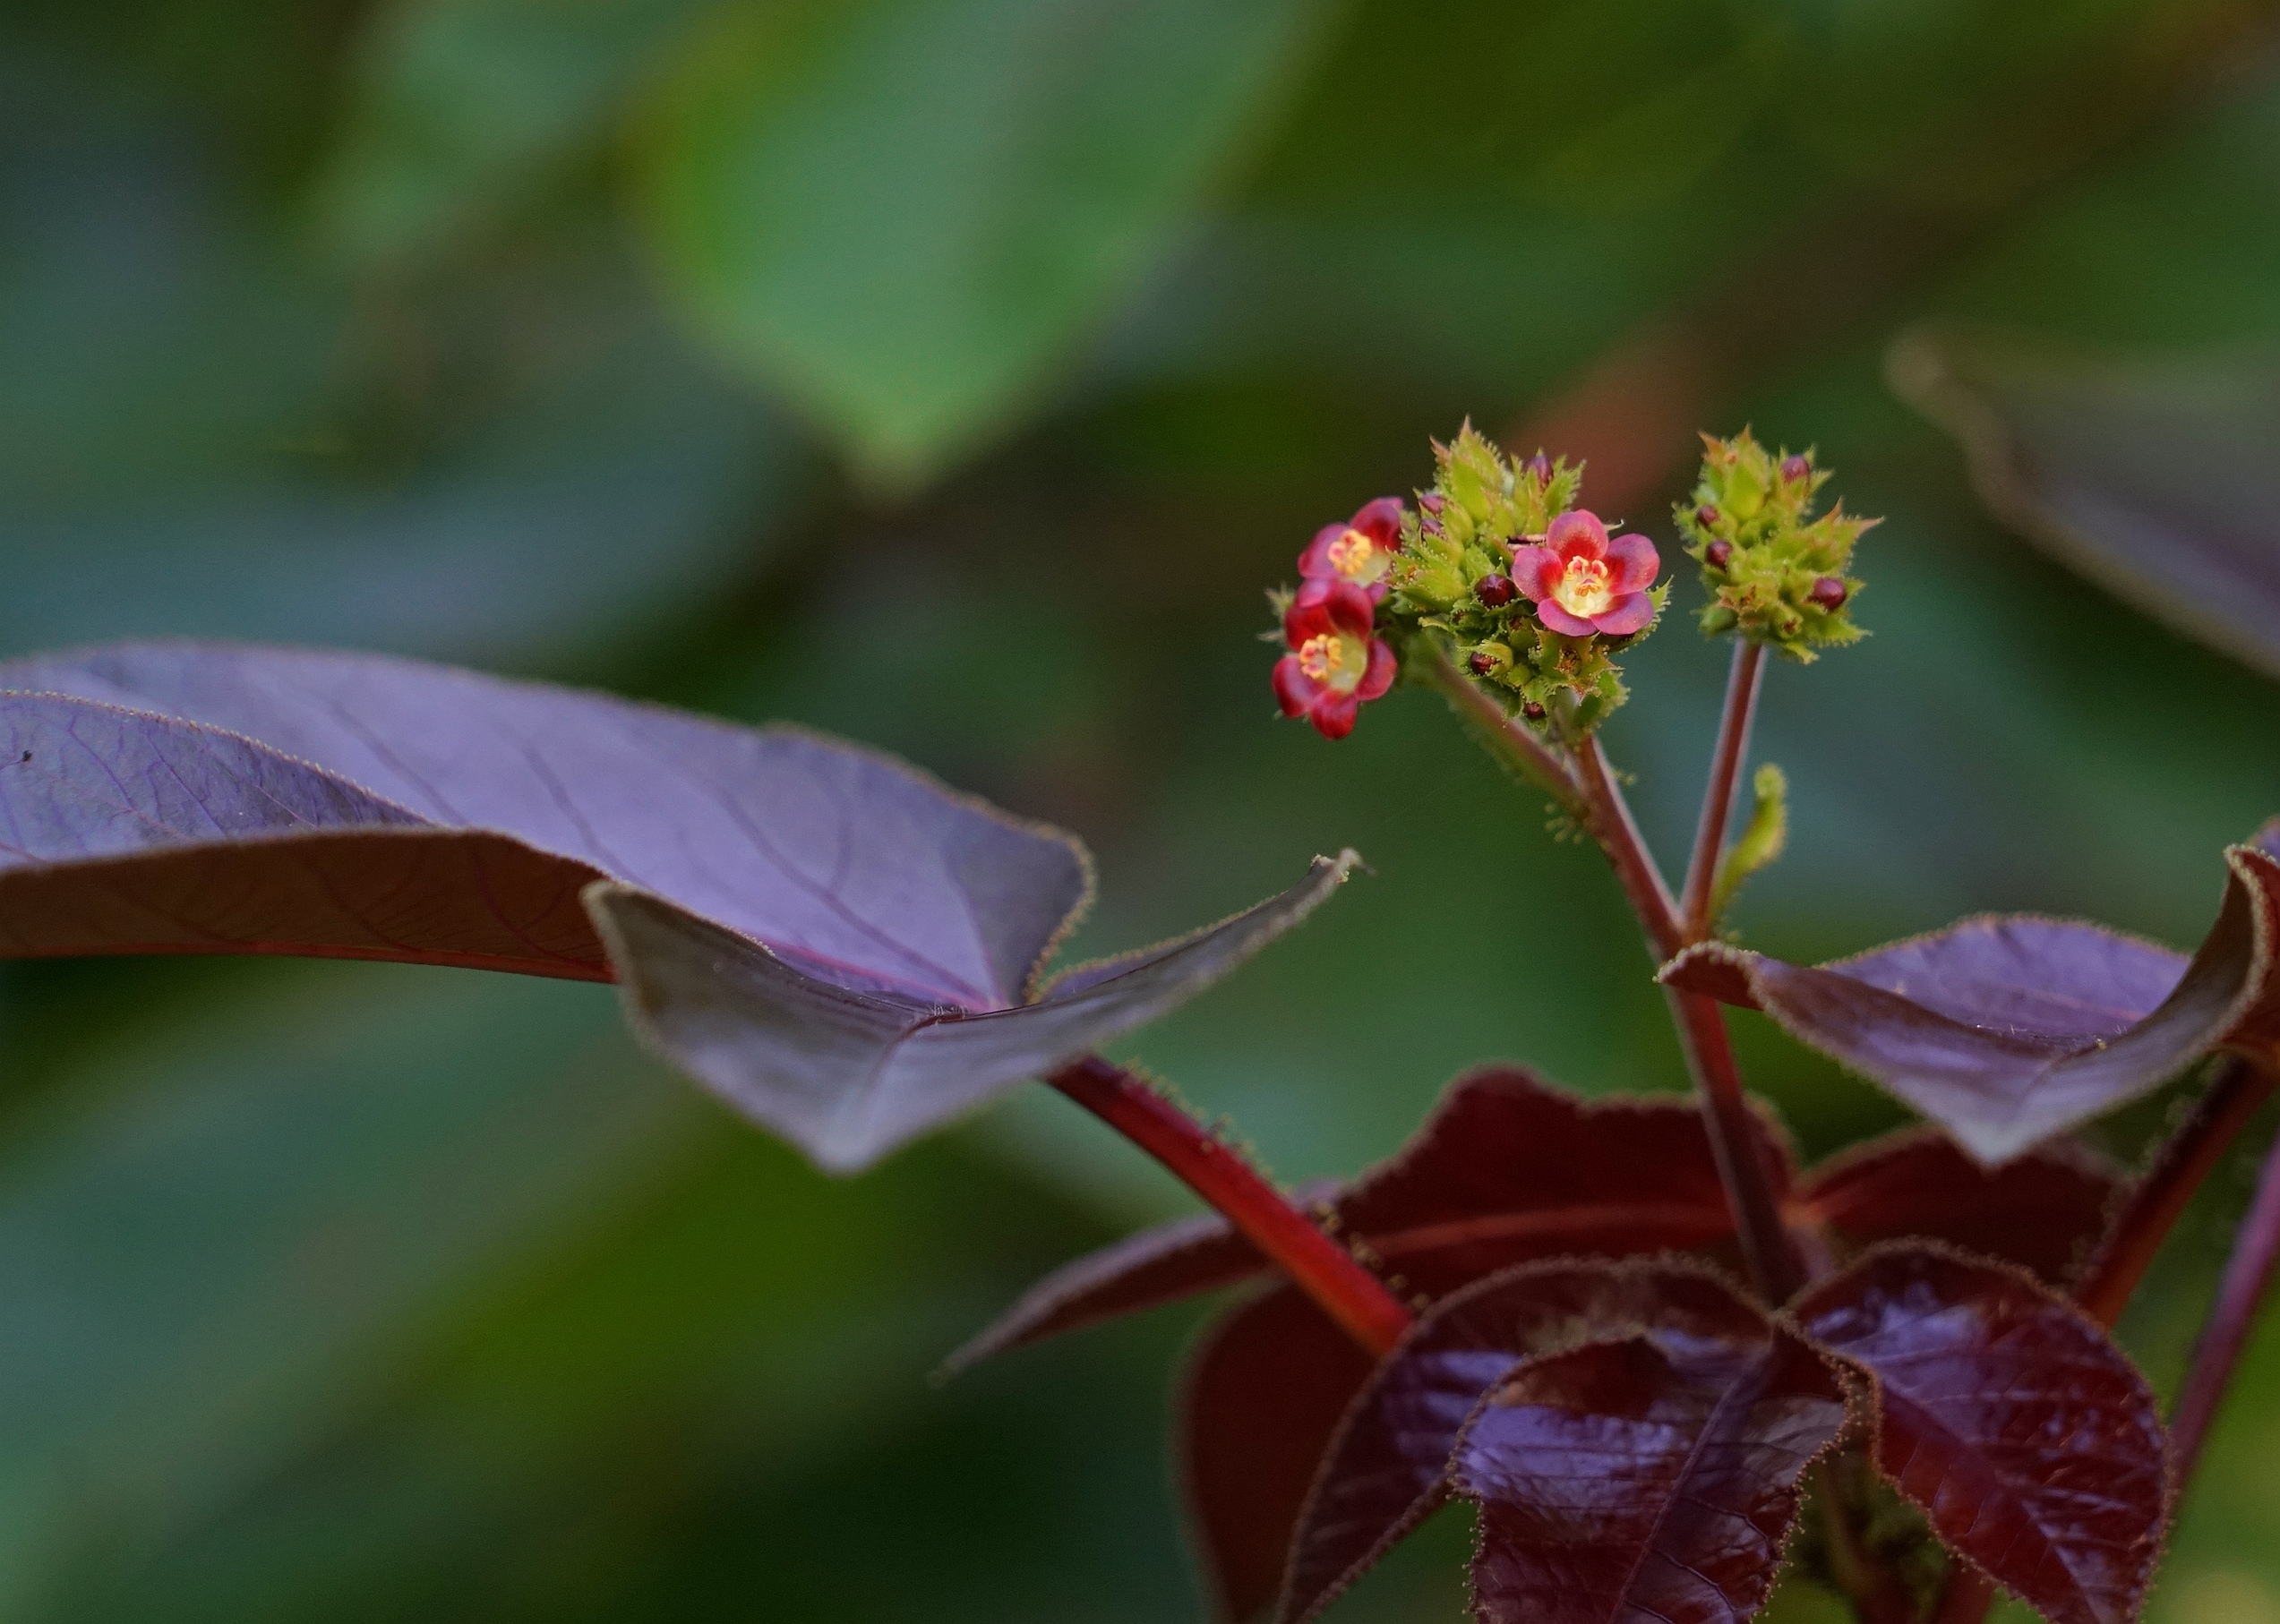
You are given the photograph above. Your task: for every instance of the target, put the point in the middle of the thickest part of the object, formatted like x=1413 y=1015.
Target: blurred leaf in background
x=952 y=374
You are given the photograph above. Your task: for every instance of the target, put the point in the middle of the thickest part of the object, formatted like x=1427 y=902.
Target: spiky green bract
x=1462 y=529
x=1780 y=548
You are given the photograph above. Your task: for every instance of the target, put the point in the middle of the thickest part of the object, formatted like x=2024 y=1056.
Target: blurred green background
x=953 y=374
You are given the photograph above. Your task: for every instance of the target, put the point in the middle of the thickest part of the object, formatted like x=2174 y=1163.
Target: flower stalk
x=1697 y=900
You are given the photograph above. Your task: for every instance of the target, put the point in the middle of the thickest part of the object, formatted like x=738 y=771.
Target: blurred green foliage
x=953 y=374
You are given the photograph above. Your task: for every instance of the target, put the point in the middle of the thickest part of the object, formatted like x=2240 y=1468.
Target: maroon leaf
x=2026 y=1436
x=2044 y=1210
x=2155 y=478
x=1652 y=1477
x=1506 y=1168
x=1264 y=1390
x=1388 y=1467
x=836 y=943
x=2006 y=1031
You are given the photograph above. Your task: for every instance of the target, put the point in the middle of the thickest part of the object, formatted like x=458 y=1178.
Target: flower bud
x=1481 y=664
x=1830 y=593
x=1494 y=591
x=1431 y=502
x=1706 y=516
x=1795 y=468
x=1718 y=555
x=1539 y=467
x=1532 y=711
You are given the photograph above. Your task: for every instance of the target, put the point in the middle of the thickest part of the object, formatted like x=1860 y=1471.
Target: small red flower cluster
x=1336 y=664
x=1584 y=583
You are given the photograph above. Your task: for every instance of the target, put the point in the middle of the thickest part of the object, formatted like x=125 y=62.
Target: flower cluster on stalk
x=1775 y=572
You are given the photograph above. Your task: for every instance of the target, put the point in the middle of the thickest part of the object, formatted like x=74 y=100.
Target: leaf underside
x=835 y=942
x=2007 y=1031
x=2026 y=1438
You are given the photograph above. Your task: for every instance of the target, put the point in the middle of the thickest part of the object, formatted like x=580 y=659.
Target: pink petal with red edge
x=1315 y=563
x=1536 y=569
x=1630 y=613
x=1349 y=609
x=1310 y=616
x=1380 y=520
x=1552 y=615
x=1379 y=677
x=1333 y=716
x=1577 y=533
x=1296 y=691
x=1632 y=563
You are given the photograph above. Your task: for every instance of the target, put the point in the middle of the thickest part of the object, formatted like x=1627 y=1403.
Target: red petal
x=1632 y=563
x=1309 y=614
x=1381 y=521
x=1349 y=609
x=1297 y=691
x=1379 y=677
x=1552 y=615
x=1578 y=533
x=1333 y=714
x=1315 y=563
x=1630 y=613
x=1536 y=569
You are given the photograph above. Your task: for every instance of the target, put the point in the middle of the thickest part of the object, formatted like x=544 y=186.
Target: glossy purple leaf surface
x=2029 y=1439
x=2006 y=1031
x=1388 y=1468
x=1506 y=1168
x=1653 y=1478
x=836 y=943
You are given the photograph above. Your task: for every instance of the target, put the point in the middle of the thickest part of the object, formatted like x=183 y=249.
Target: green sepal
x=1762 y=841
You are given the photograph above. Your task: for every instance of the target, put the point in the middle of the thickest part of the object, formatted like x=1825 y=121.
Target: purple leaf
x=1264 y=1389
x=1506 y=1168
x=2157 y=479
x=839 y=945
x=2025 y=1435
x=1652 y=1477
x=1387 y=1469
x=2006 y=1031
x=2044 y=1210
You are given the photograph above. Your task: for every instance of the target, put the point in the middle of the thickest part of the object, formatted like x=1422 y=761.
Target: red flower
x=1357 y=552
x=1584 y=583
x=1334 y=664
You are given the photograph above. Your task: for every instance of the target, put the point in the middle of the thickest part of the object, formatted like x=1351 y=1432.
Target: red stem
x=2248 y=1271
x=1742 y=682
x=1363 y=1308
x=1618 y=835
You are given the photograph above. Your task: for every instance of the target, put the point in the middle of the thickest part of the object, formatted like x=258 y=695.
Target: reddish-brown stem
x=2248 y=1271
x=1511 y=742
x=1361 y=1303
x=1767 y=1248
x=1742 y=683
x=2159 y=1198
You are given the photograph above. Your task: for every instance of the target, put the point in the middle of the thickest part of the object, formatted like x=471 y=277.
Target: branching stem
x=1742 y=683
x=1316 y=1262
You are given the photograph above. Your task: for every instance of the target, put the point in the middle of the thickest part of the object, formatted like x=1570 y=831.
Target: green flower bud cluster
x=1452 y=581
x=1774 y=571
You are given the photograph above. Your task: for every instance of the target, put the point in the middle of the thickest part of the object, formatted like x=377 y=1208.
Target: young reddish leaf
x=1648 y=1478
x=2026 y=1436
x=1387 y=1469
x=2044 y=1210
x=2007 y=1031
x=838 y=944
x=2157 y=480
x=1506 y=1168
x=1263 y=1392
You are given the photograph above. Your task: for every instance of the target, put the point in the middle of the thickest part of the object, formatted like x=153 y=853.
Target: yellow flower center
x=1355 y=556
x=1333 y=660
x=1582 y=588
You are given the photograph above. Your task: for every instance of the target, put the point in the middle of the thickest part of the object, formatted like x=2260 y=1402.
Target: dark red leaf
x=1264 y=1390
x=2044 y=1210
x=1653 y=1477
x=1387 y=1469
x=2006 y=1031
x=1506 y=1168
x=835 y=943
x=2026 y=1436
x=2155 y=478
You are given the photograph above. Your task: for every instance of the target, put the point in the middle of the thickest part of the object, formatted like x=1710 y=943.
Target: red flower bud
x=1719 y=554
x=1830 y=593
x=1706 y=516
x=1795 y=468
x=1540 y=465
x=1431 y=502
x=1482 y=663
x=1532 y=711
x=1494 y=591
